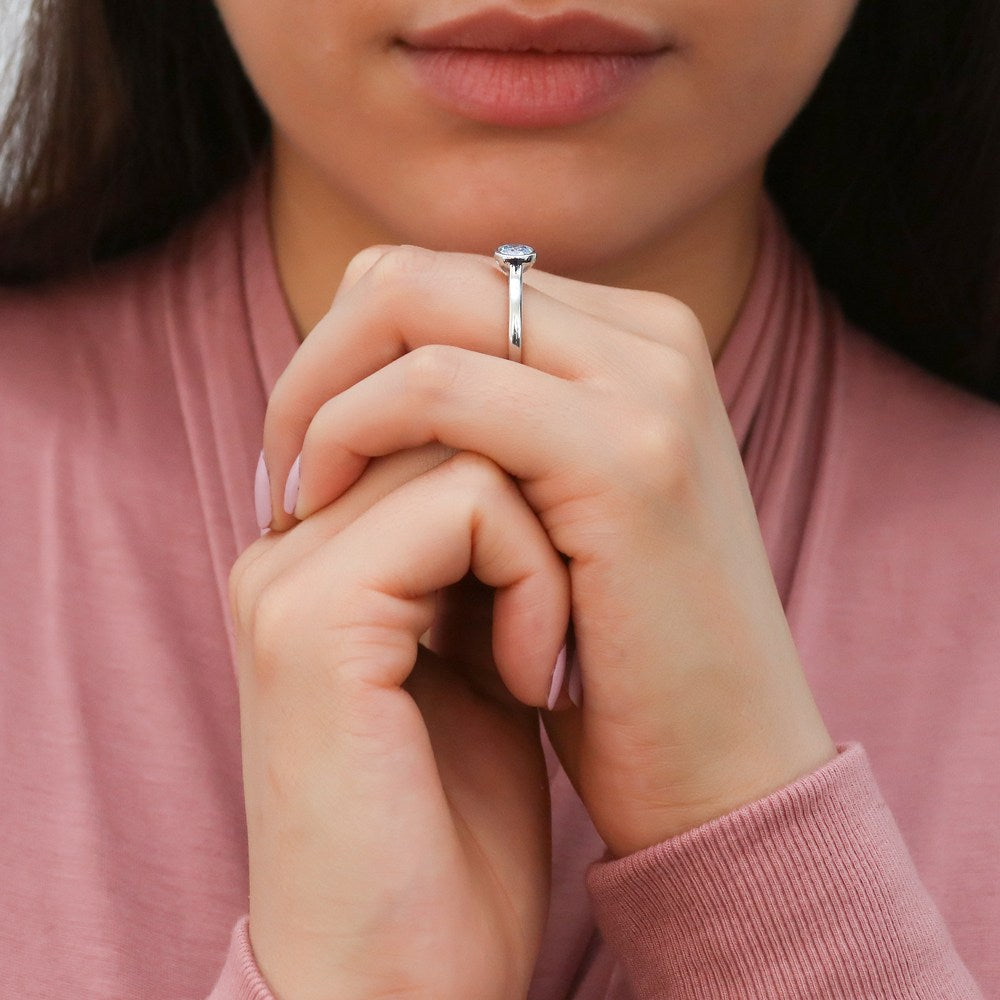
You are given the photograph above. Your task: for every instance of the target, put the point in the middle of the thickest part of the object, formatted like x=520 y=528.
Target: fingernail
x=558 y=673
x=575 y=686
x=262 y=494
x=292 y=487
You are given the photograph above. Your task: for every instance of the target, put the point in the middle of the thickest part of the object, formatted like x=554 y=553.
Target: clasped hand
x=396 y=795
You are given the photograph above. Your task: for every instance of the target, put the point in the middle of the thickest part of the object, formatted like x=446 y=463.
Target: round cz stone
x=515 y=253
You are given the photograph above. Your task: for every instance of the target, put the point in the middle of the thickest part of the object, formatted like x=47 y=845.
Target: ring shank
x=515 y=286
x=514 y=259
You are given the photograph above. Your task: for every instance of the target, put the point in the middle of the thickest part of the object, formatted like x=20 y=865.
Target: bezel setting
x=515 y=255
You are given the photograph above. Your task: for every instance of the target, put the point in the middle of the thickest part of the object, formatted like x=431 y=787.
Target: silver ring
x=514 y=259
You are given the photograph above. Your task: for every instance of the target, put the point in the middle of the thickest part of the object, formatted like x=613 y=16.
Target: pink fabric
x=132 y=407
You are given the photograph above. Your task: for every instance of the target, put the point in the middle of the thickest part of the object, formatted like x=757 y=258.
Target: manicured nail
x=574 y=688
x=292 y=487
x=262 y=494
x=558 y=673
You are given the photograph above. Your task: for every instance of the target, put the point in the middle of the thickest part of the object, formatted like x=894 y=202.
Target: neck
x=706 y=259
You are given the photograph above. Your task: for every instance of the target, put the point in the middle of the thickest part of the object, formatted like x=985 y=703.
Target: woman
x=723 y=529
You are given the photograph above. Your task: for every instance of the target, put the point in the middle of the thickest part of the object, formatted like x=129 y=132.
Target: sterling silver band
x=514 y=259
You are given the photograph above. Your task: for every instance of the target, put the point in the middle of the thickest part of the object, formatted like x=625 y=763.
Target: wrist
x=721 y=785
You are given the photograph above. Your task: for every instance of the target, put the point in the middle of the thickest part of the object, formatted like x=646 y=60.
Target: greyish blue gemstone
x=515 y=253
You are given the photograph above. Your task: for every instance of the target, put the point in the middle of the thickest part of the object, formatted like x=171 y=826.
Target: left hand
x=694 y=697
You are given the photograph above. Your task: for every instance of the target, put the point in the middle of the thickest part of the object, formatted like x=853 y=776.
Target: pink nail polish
x=558 y=673
x=574 y=687
x=262 y=494
x=292 y=486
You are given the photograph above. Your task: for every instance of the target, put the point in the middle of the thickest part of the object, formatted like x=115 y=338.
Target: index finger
x=638 y=310
x=395 y=301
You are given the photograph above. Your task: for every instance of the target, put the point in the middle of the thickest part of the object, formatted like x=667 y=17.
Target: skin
x=701 y=125
x=396 y=803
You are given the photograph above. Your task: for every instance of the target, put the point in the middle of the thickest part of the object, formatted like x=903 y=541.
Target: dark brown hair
x=130 y=117
x=890 y=178
x=126 y=118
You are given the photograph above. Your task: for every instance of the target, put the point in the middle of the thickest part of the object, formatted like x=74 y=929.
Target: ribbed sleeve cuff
x=240 y=978
x=808 y=893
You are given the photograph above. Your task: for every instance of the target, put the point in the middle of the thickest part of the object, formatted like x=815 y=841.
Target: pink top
x=131 y=420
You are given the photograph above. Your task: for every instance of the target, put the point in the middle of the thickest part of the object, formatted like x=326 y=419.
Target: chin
x=573 y=235
x=567 y=249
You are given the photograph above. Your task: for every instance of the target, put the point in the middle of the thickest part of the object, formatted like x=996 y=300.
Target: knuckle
x=660 y=454
x=681 y=381
x=243 y=583
x=477 y=473
x=680 y=324
x=362 y=262
x=431 y=369
x=268 y=626
x=685 y=320
x=401 y=264
x=678 y=315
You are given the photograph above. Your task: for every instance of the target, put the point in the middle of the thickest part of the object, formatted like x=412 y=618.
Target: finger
x=411 y=297
x=359 y=265
x=544 y=431
x=433 y=395
x=380 y=478
x=643 y=312
x=460 y=298
x=463 y=619
x=372 y=583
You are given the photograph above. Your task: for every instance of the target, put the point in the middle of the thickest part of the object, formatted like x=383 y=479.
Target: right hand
x=397 y=806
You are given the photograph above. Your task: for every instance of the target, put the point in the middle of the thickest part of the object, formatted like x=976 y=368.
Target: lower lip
x=528 y=89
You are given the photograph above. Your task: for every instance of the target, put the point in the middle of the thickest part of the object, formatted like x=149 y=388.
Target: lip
x=501 y=68
x=502 y=30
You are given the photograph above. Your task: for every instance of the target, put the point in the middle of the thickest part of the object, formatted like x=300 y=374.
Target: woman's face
x=622 y=119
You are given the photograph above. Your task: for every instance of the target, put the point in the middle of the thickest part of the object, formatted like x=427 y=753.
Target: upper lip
x=502 y=30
